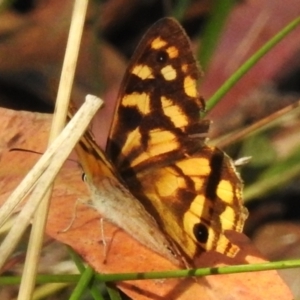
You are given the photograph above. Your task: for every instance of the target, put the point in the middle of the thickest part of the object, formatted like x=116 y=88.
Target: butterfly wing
x=196 y=200
x=158 y=105
x=157 y=144
x=111 y=198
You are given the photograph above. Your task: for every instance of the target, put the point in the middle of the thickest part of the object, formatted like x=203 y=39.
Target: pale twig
x=263 y=124
x=59 y=118
x=61 y=147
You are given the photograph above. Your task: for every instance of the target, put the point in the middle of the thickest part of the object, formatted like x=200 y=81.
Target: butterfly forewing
x=158 y=106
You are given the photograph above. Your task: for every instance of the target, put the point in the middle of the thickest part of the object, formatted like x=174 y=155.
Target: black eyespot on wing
x=162 y=56
x=201 y=233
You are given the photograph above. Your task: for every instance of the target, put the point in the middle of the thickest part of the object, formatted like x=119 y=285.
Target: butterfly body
x=157 y=156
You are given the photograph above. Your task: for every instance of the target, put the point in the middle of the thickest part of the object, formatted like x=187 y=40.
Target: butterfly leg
x=104 y=240
x=74 y=215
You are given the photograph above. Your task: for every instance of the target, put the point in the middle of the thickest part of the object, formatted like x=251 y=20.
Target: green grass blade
x=59 y=278
x=285 y=264
x=202 y=272
x=274 y=177
x=93 y=289
x=213 y=29
x=180 y=9
x=229 y=83
x=83 y=283
x=113 y=292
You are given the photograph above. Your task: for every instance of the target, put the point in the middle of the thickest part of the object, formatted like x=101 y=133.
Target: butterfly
x=158 y=180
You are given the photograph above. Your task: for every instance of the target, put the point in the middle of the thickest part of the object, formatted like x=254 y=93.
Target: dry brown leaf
x=121 y=253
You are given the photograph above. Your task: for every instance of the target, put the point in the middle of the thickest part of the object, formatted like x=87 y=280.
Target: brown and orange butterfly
x=157 y=179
